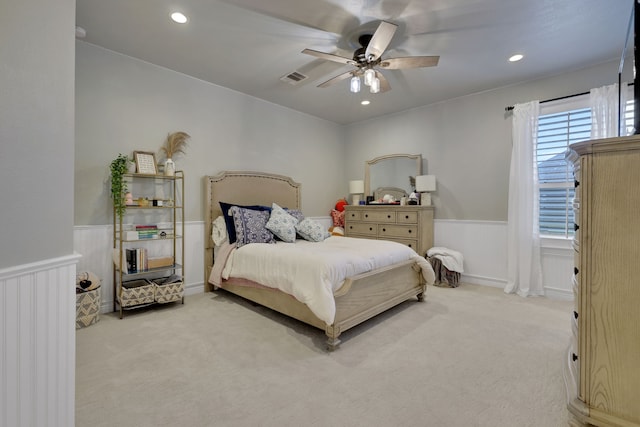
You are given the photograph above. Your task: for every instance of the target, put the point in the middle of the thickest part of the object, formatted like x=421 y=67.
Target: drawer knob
x=410 y=231
x=406 y=217
x=388 y=216
x=575 y=314
x=575 y=270
x=574 y=356
x=370 y=228
x=384 y=230
x=366 y=215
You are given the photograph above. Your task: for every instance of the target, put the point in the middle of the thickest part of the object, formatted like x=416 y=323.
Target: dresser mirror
x=392 y=173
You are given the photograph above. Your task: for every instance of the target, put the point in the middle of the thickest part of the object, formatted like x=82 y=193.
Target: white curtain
x=524 y=271
x=604 y=110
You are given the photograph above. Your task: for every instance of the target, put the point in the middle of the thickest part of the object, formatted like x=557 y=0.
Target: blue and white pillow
x=251 y=226
x=311 y=230
x=282 y=224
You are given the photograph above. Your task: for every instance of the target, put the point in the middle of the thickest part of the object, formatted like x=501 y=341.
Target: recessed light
x=179 y=17
x=515 y=58
x=365 y=102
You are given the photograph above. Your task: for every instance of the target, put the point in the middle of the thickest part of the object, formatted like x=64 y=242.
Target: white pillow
x=311 y=230
x=219 y=233
x=282 y=224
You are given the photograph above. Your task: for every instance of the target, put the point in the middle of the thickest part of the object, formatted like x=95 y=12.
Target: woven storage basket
x=87 y=308
x=137 y=292
x=169 y=293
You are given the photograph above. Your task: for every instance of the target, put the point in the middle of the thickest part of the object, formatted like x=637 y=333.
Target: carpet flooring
x=466 y=356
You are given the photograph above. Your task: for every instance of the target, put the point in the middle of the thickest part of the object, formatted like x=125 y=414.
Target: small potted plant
x=119 y=167
x=175 y=143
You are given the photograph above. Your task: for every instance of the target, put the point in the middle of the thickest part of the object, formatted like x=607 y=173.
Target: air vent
x=293 y=78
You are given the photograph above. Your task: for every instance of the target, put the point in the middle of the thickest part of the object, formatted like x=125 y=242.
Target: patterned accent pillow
x=296 y=213
x=311 y=230
x=282 y=224
x=251 y=226
x=228 y=218
x=338 y=218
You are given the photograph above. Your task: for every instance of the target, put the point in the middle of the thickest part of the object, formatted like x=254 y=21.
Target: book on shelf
x=137 y=260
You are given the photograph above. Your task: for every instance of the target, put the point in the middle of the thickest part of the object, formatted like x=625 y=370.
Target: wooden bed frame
x=360 y=298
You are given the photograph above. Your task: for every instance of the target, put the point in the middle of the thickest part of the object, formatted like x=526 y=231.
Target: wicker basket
x=169 y=293
x=136 y=292
x=87 y=308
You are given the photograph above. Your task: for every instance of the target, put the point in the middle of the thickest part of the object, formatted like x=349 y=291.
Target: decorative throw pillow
x=311 y=230
x=338 y=218
x=250 y=226
x=228 y=219
x=296 y=213
x=219 y=233
x=282 y=224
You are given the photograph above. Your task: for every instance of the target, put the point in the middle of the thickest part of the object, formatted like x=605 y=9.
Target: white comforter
x=312 y=271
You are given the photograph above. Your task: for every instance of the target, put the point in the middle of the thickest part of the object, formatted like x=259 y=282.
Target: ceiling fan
x=368 y=58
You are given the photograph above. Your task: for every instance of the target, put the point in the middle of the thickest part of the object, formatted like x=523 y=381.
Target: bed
x=359 y=298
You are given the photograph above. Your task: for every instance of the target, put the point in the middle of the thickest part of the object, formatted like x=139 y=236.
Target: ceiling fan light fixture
x=355 y=84
x=369 y=75
x=375 y=85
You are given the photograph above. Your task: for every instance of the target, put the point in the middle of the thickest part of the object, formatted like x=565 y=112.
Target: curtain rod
x=509 y=108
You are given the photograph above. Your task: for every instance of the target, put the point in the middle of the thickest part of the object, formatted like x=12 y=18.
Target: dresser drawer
x=407 y=217
x=378 y=216
x=353 y=216
x=362 y=229
x=413 y=244
x=402 y=231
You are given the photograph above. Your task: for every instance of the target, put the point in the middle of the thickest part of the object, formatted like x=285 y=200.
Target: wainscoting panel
x=37 y=353
x=95 y=243
x=484 y=247
x=482 y=243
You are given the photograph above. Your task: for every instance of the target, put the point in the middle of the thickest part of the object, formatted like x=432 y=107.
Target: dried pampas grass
x=176 y=143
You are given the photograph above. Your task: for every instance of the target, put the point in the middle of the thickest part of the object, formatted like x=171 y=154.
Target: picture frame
x=145 y=162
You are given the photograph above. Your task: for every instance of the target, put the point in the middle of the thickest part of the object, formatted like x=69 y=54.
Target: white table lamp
x=425 y=184
x=356 y=188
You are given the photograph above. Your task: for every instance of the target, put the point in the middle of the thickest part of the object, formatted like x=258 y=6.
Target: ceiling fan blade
x=337 y=79
x=329 y=57
x=384 y=83
x=380 y=40
x=409 y=62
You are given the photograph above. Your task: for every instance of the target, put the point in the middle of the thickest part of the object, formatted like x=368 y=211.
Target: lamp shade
x=356 y=187
x=425 y=183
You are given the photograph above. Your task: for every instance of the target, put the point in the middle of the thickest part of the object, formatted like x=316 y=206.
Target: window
x=560 y=124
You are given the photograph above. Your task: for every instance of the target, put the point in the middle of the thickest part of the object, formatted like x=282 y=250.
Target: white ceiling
x=247 y=45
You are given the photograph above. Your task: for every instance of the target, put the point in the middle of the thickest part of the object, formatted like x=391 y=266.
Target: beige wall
x=465 y=142
x=124 y=104
x=36 y=130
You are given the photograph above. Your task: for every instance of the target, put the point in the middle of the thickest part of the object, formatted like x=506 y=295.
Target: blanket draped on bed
x=312 y=271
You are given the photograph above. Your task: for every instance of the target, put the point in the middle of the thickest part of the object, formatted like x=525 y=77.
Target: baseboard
x=483 y=281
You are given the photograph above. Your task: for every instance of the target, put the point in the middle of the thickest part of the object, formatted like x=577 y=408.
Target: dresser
x=602 y=367
x=410 y=225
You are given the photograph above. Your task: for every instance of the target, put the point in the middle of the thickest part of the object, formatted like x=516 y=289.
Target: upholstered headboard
x=244 y=188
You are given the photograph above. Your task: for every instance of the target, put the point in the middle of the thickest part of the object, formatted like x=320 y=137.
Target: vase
x=169 y=167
